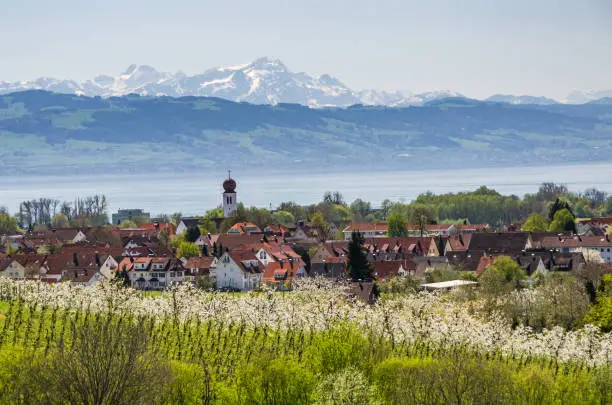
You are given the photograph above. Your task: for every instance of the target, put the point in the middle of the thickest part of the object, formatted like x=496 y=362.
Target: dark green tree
x=215 y=250
x=122 y=278
x=397 y=226
x=558 y=205
x=358 y=266
x=192 y=233
x=204 y=250
x=563 y=221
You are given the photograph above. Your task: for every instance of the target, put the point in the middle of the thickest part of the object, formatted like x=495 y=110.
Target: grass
x=4 y=306
x=150 y=294
x=267 y=364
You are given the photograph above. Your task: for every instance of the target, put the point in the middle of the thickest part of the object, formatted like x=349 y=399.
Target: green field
x=4 y=306
x=63 y=345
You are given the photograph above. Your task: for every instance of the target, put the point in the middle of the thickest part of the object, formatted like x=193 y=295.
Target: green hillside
x=49 y=132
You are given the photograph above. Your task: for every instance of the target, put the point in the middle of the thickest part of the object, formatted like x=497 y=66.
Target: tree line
x=86 y=211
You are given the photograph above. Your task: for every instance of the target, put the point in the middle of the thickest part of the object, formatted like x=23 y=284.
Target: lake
x=194 y=193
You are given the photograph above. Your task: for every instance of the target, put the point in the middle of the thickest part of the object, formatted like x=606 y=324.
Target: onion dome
x=229 y=185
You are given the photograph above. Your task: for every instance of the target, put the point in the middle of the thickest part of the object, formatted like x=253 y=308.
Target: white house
x=108 y=267
x=186 y=223
x=22 y=266
x=153 y=273
x=238 y=269
x=592 y=247
x=11 y=268
x=366 y=229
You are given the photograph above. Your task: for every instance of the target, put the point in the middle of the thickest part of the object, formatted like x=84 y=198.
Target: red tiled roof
x=276 y=229
x=29 y=259
x=92 y=250
x=60 y=234
x=200 y=262
x=383 y=270
x=159 y=226
x=501 y=242
x=367 y=227
x=245 y=227
x=460 y=242
x=128 y=263
x=558 y=242
x=277 y=272
x=66 y=259
x=81 y=275
x=246 y=259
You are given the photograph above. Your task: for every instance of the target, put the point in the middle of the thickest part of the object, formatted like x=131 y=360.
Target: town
x=235 y=249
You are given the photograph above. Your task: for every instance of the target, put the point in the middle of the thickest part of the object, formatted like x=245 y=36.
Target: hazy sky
x=476 y=47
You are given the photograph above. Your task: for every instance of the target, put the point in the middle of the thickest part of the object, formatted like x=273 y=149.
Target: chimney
x=75 y=259
x=281 y=263
x=98 y=260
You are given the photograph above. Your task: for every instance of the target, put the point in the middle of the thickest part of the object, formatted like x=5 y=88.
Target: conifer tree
x=358 y=265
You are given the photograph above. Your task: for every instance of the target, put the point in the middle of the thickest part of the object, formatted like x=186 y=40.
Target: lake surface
x=194 y=193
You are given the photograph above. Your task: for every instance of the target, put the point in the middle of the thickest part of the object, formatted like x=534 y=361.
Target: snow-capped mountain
x=263 y=81
x=510 y=99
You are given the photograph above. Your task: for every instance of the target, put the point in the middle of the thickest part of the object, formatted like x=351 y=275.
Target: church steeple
x=229 y=195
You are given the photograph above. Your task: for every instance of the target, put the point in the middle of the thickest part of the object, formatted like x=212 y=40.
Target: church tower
x=229 y=196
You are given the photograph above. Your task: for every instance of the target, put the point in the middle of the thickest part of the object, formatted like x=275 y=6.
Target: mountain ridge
x=262 y=81
x=44 y=132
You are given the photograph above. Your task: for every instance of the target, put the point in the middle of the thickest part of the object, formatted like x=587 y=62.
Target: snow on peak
x=265 y=80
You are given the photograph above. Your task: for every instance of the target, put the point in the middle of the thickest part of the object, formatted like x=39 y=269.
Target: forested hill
x=50 y=132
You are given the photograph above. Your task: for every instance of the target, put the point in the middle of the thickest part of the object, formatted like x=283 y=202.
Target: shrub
x=346 y=387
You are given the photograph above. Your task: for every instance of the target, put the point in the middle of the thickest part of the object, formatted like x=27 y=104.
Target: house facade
x=153 y=273
x=239 y=270
x=598 y=248
x=11 y=268
x=366 y=229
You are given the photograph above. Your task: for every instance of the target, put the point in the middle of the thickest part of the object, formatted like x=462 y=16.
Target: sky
x=475 y=47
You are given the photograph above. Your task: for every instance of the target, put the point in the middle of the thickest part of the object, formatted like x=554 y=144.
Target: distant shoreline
x=107 y=172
